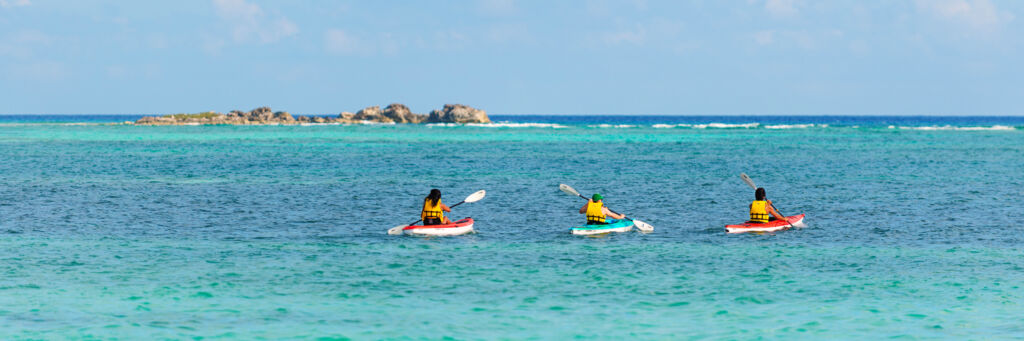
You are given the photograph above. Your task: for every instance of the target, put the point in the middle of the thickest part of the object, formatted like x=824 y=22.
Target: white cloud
x=640 y=5
x=157 y=41
x=781 y=8
x=24 y=44
x=250 y=23
x=212 y=45
x=603 y=8
x=14 y=3
x=122 y=71
x=38 y=71
x=635 y=36
x=807 y=40
x=508 y=33
x=978 y=15
x=341 y=42
x=658 y=33
x=764 y=37
x=859 y=47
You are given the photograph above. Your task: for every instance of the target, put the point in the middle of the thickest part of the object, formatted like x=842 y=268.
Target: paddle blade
x=397 y=230
x=568 y=190
x=643 y=227
x=748 y=180
x=476 y=196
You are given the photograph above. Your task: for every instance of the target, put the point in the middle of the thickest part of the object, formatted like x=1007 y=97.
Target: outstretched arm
x=609 y=213
x=583 y=210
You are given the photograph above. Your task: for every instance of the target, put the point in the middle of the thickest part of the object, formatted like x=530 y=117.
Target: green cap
x=597 y=197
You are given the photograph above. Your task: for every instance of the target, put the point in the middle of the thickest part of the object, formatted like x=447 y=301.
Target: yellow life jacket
x=431 y=211
x=595 y=213
x=759 y=211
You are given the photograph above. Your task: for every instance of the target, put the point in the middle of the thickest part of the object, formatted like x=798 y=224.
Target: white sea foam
x=709 y=125
x=516 y=125
x=376 y=123
x=612 y=126
x=728 y=126
x=336 y=124
x=949 y=127
x=499 y=125
x=26 y=124
x=790 y=126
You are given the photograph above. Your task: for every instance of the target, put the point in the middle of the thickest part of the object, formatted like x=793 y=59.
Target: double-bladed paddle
x=750 y=182
x=471 y=198
x=642 y=226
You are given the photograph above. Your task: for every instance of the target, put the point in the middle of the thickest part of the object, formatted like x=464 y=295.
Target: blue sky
x=749 y=57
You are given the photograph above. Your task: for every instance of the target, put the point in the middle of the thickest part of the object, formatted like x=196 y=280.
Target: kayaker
x=597 y=213
x=761 y=210
x=433 y=209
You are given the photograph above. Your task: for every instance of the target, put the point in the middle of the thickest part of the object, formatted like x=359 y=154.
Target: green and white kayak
x=612 y=226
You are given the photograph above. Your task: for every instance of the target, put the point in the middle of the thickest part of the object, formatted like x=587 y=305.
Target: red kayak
x=771 y=226
x=456 y=228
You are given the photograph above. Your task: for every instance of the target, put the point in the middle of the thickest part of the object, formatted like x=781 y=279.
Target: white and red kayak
x=771 y=226
x=456 y=228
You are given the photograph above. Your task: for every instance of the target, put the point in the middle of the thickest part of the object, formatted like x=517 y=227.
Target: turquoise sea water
x=219 y=232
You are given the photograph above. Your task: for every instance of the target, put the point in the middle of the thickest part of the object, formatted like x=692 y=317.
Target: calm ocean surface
x=231 y=232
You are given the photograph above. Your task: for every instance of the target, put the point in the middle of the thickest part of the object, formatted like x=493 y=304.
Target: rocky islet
x=393 y=113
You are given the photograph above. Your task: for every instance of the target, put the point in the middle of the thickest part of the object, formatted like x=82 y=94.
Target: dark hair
x=435 y=195
x=759 y=193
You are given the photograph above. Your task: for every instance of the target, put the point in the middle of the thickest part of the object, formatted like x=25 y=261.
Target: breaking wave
x=949 y=127
x=795 y=126
x=709 y=125
x=499 y=125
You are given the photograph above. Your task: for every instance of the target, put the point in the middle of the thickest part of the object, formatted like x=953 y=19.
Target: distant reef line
x=393 y=113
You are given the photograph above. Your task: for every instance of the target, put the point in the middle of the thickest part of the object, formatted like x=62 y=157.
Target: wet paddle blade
x=748 y=180
x=643 y=227
x=568 y=190
x=476 y=196
x=397 y=230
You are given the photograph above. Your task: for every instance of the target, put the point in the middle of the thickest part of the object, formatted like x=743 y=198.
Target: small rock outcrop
x=393 y=113
x=458 y=113
x=372 y=114
x=399 y=113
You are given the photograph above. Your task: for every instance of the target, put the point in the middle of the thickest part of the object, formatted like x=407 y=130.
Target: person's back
x=761 y=210
x=433 y=209
x=596 y=212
